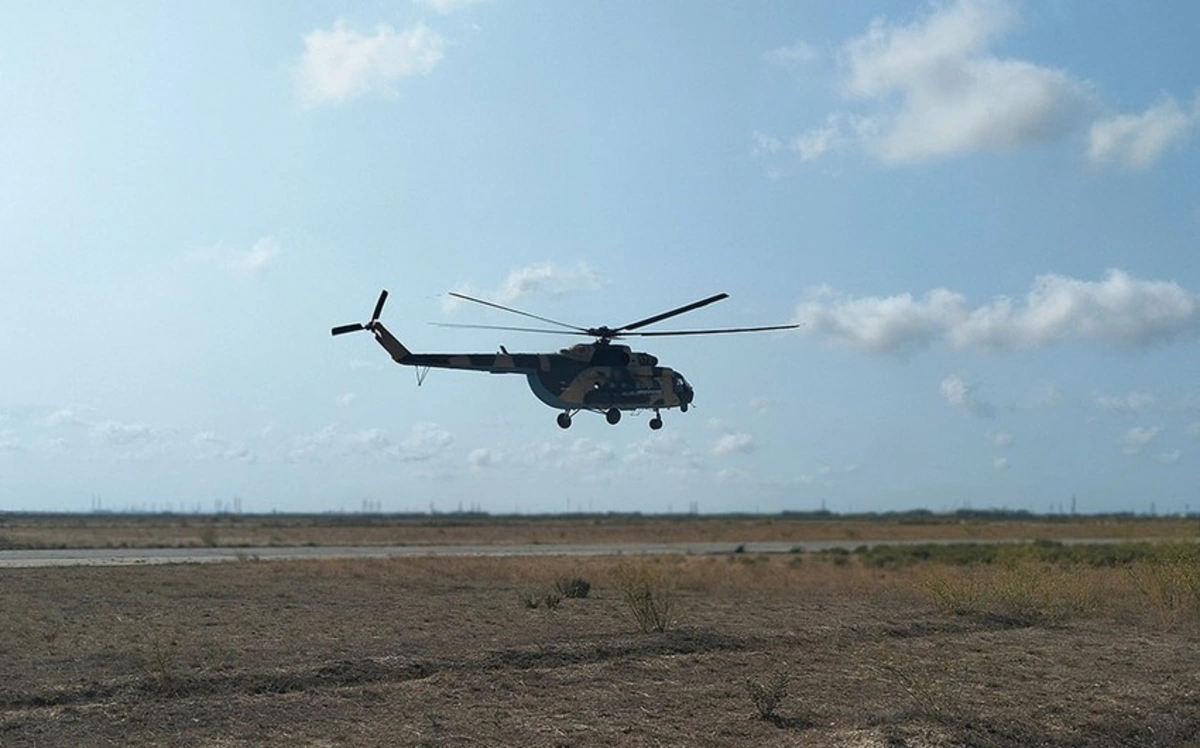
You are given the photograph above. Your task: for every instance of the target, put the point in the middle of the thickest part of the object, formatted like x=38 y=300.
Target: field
x=1030 y=646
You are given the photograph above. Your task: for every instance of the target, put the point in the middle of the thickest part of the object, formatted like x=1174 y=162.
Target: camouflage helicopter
x=601 y=376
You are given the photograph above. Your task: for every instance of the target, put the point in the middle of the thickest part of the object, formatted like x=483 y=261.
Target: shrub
x=648 y=596
x=766 y=695
x=572 y=587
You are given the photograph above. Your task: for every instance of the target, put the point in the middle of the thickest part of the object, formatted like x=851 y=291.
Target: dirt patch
x=443 y=652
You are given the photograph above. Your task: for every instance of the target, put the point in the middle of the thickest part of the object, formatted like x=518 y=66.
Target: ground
x=433 y=652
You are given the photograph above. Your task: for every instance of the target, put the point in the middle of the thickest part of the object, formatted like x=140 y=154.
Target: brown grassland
x=233 y=531
x=799 y=649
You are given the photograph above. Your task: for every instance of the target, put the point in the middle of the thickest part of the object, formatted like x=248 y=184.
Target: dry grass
x=180 y=531
x=437 y=651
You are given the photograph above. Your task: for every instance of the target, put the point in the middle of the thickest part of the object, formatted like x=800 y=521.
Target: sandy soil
x=434 y=652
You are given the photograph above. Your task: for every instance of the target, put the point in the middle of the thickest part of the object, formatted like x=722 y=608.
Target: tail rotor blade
x=342 y=329
x=379 y=305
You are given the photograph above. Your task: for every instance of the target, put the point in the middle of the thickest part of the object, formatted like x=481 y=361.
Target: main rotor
x=605 y=334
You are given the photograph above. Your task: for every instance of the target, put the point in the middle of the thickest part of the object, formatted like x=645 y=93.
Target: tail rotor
x=357 y=326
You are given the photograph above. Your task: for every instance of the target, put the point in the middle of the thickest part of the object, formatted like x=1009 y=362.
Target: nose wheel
x=656 y=421
x=564 y=420
x=613 y=416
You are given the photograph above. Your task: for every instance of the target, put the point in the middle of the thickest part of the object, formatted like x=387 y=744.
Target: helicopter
x=599 y=377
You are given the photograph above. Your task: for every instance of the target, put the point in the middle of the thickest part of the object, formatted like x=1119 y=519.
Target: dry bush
x=572 y=587
x=1170 y=583
x=1023 y=592
x=767 y=694
x=649 y=596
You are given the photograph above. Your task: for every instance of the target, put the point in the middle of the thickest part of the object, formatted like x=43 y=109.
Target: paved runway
x=143 y=556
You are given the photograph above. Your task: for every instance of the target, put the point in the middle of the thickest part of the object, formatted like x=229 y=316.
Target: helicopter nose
x=687 y=395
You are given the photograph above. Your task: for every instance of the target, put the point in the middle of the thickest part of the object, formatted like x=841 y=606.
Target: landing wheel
x=613 y=416
x=655 y=423
x=564 y=420
x=683 y=407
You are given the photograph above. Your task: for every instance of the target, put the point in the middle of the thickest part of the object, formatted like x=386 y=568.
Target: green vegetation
x=1041 y=551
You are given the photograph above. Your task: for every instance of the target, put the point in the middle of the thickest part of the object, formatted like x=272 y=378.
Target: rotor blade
x=516 y=311
x=502 y=327
x=379 y=305
x=672 y=313
x=720 y=331
x=349 y=328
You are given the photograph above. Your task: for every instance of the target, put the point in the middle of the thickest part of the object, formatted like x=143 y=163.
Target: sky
x=984 y=214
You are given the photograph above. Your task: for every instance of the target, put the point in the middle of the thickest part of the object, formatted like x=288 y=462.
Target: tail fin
x=390 y=343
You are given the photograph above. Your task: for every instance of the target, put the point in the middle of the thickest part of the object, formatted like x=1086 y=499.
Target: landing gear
x=656 y=421
x=564 y=420
x=683 y=407
x=613 y=416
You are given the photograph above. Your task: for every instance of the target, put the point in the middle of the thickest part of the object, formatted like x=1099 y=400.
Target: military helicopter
x=601 y=376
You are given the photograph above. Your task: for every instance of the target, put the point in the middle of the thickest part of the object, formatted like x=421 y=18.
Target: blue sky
x=984 y=213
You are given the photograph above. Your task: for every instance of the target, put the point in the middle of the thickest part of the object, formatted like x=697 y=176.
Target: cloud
x=65 y=417
x=244 y=263
x=425 y=441
x=484 y=457
x=764 y=143
x=814 y=144
x=1003 y=439
x=933 y=88
x=733 y=443
x=122 y=434
x=9 y=441
x=538 y=278
x=341 y=64
x=1137 y=141
x=346 y=398
x=959 y=394
x=795 y=55
x=1001 y=464
x=1193 y=429
x=1118 y=311
x=447 y=7
x=1169 y=458
x=1132 y=402
x=1138 y=438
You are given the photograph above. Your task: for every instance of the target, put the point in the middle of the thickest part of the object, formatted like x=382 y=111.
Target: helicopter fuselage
x=596 y=376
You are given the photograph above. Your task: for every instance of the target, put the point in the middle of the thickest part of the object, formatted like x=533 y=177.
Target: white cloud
x=959 y=394
x=815 y=143
x=795 y=55
x=1169 y=458
x=1003 y=439
x=764 y=143
x=538 y=278
x=1119 y=311
x=934 y=88
x=1138 y=438
x=1193 y=430
x=1131 y=402
x=484 y=457
x=245 y=263
x=733 y=443
x=425 y=441
x=447 y=7
x=341 y=64
x=122 y=434
x=9 y=441
x=1138 y=140
x=65 y=417
x=347 y=398
x=1001 y=463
